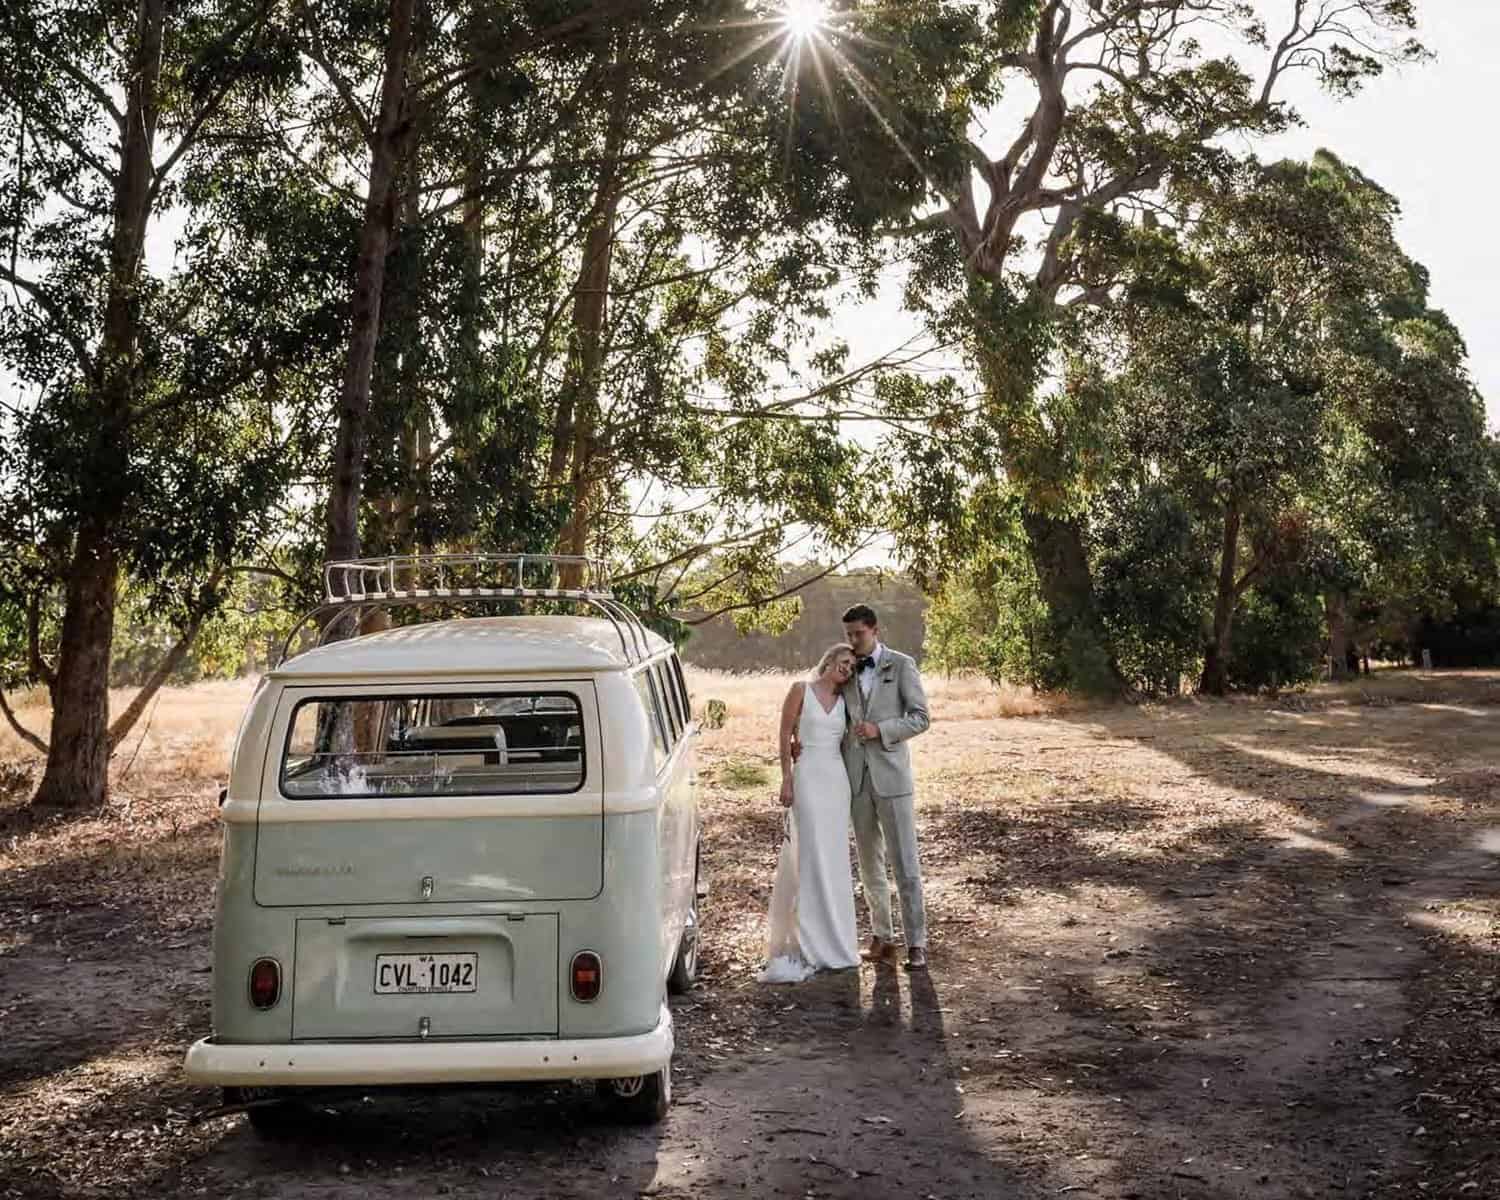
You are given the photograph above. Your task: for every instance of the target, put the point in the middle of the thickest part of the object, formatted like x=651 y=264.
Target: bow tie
x=864 y=662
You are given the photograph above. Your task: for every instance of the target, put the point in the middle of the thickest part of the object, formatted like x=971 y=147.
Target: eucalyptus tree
x=129 y=447
x=1283 y=375
x=426 y=57
x=693 y=292
x=1224 y=389
x=1405 y=519
x=592 y=281
x=1119 y=99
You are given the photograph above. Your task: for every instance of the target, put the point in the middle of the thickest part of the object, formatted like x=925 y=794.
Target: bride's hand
x=786 y=793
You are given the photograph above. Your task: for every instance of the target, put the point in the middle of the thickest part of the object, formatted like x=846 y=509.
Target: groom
x=886 y=705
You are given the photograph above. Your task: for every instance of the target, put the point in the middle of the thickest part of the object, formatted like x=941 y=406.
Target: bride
x=812 y=901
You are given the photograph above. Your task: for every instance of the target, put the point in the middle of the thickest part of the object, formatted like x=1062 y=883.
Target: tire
x=639 y=1100
x=685 y=966
x=271 y=1117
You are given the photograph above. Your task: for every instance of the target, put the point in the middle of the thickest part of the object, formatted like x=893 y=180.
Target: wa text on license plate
x=414 y=974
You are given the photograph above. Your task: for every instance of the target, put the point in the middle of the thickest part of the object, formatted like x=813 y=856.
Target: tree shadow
x=1254 y=987
x=98 y=943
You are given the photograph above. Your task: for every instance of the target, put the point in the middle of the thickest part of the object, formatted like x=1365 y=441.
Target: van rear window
x=447 y=745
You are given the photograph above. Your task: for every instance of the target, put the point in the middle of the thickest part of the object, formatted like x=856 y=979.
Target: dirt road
x=1199 y=951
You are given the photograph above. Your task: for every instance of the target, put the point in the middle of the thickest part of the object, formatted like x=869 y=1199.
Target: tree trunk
x=1060 y=558
x=389 y=144
x=1215 y=679
x=169 y=663
x=575 y=436
x=1336 y=612
x=403 y=327
x=581 y=386
x=1056 y=544
x=77 y=772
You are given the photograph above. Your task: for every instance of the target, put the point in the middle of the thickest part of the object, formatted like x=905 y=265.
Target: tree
x=1126 y=99
x=127 y=426
x=419 y=75
x=1282 y=374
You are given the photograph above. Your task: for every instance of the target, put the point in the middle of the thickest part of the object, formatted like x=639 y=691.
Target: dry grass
x=753 y=701
x=152 y=847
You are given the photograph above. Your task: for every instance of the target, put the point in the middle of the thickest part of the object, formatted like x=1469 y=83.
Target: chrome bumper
x=334 y=1064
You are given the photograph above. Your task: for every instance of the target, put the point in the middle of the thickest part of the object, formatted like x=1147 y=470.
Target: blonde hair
x=830 y=654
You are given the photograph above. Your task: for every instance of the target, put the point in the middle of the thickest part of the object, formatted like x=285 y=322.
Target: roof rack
x=395 y=580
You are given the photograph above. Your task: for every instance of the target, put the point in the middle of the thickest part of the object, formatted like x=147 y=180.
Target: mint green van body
x=468 y=852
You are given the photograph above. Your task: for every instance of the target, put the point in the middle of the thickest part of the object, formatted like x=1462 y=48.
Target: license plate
x=420 y=974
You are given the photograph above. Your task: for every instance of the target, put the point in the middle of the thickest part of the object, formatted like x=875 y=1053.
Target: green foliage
x=244 y=635
x=1468 y=637
x=1278 y=636
x=1155 y=583
x=956 y=620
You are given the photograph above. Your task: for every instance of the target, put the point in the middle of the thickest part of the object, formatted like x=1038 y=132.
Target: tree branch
x=785 y=592
x=22 y=732
x=53 y=309
x=169 y=663
x=604 y=10
x=700 y=549
x=345 y=90
x=260 y=569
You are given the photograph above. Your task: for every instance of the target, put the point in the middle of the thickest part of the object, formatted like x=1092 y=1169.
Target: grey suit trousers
x=888 y=825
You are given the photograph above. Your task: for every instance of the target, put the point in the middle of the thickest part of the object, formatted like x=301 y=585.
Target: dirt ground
x=1197 y=950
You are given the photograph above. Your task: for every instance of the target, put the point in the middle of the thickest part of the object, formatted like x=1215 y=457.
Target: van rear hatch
x=437 y=795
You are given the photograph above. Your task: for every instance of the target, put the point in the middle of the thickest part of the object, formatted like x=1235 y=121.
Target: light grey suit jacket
x=898 y=706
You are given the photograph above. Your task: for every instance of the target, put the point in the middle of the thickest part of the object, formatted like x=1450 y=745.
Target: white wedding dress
x=812 y=900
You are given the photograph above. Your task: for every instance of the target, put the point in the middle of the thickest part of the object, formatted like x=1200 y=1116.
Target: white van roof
x=474 y=646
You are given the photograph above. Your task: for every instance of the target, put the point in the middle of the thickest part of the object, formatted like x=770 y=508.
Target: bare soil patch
x=1193 y=950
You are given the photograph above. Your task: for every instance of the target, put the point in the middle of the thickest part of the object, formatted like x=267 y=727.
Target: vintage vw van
x=459 y=853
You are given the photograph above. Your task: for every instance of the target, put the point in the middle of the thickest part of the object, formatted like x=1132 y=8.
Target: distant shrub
x=1469 y=638
x=1277 y=636
x=739 y=773
x=1154 y=584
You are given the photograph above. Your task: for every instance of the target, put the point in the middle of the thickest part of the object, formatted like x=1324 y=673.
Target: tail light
x=586 y=977
x=265 y=983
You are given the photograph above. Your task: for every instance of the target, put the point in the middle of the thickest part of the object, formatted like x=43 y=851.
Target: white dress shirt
x=867 y=678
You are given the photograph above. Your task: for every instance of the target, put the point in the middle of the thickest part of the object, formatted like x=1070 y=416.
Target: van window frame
x=679 y=684
x=669 y=702
x=417 y=695
x=661 y=742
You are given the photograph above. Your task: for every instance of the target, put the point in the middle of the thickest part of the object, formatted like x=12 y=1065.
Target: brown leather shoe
x=916 y=958
x=879 y=951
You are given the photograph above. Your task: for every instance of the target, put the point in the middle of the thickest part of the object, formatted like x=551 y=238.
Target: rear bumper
x=333 y=1064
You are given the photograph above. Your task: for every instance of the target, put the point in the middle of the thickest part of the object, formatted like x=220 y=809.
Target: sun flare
x=804 y=18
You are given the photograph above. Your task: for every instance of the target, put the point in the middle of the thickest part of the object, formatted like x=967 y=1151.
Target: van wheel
x=272 y=1116
x=640 y=1099
x=685 y=965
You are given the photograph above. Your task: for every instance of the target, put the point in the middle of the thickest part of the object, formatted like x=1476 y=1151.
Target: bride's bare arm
x=791 y=713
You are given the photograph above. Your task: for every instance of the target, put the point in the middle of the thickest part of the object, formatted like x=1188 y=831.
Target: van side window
x=668 y=701
x=647 y=689
x=679 y=682
x=434 y=745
